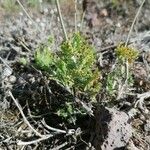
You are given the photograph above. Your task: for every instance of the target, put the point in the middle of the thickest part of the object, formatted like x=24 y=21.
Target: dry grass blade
x=61 y=20
x=24 y=117
x=135 y=18
x=70 y=131
x=28 y=15
x=45 y=137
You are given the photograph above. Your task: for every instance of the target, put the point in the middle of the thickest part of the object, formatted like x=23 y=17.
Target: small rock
x=42 y=24
x=147 y=126
x=109 y=21
x=113 y=129
x=98 y=42
x=32 y=80
x=45 y=10
x=142 y=117
x=12 y=79
x=52 y=11
x=38 y=20
x=147 y=138
x=20 y=13
x=104 y=12
x=6 y=72
x=29 y=22
x=21 y=81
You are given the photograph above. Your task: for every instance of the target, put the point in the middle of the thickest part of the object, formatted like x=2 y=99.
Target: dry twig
x=75 y=15
x=140 y=101
x=45 y=137
x=24 y=117
x=61 y=20
x=28 y=15
x=135 y=18
x=69 y=131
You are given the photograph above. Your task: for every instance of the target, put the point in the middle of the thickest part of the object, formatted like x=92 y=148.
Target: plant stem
x=28 y=15
x=135 y=18
x=82 y=20
x=75 y=15
x=127 y=63
x=61 y=20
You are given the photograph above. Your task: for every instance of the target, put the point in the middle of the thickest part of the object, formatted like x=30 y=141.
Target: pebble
x=38 y=20
x=147 y=126
x=30 y=22
x=32 y=80
x=12 y=79
x=52 y=12
x=147 y=138
x=6 y=72
x=45 y=10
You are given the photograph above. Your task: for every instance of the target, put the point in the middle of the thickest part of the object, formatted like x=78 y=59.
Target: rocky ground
x=25 y=98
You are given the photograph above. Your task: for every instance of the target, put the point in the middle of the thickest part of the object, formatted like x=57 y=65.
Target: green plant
x=126 y=53
x=111 y=83
x=23 y=61
x=44 y=58
x=33 y=3
x=10 y=5
x=73 y=67
x=116 y=78
x=115 y=2
x=69 y=112
x=118 y=75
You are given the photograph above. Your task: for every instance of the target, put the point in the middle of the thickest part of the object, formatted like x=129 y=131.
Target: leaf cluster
x=115 y=78
x=126 y=53
x=73 y=66
x=69 y=112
